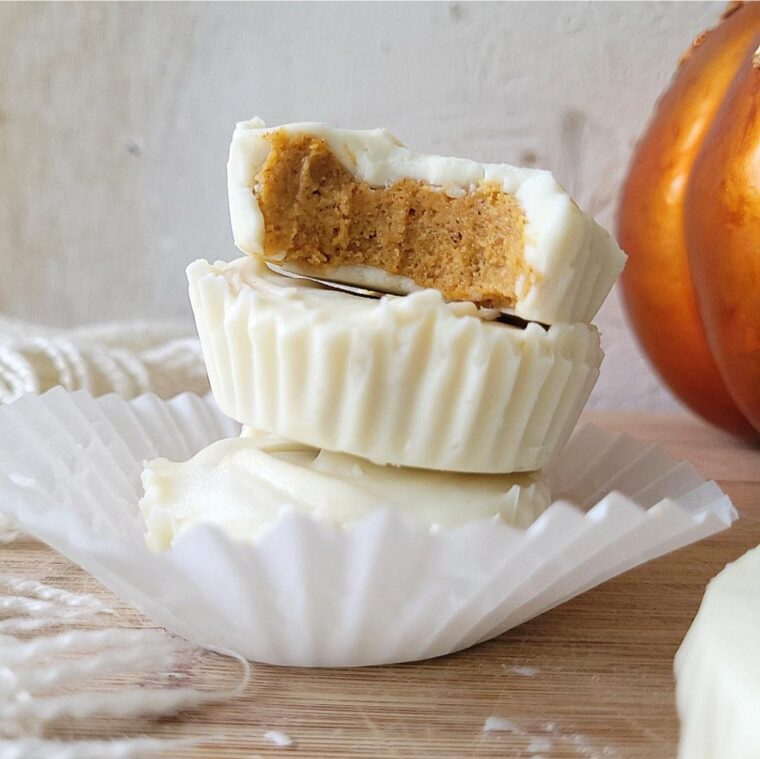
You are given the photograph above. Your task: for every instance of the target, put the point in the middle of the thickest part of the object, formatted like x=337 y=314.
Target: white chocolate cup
x=243 y=485
x=574 y=260
x=411 y=380
x=717 y=668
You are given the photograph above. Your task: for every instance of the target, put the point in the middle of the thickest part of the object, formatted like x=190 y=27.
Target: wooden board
x=592 y=678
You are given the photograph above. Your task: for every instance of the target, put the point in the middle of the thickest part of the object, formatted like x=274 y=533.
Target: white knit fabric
x=128 y=358
x=46 y=677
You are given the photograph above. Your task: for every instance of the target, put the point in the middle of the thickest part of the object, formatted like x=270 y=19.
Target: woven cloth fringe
x=128 y=358
x=61 y=659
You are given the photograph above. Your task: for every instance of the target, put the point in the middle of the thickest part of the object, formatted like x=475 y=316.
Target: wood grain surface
x=592 y=678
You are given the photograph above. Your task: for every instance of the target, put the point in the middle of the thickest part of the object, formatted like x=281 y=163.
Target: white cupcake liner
x=410 y=380
x=308 y=592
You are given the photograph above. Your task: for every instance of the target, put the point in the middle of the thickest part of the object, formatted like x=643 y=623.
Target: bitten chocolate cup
x=360 y=208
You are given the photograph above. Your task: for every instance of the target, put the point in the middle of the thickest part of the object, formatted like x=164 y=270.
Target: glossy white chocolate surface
x=244 y=484
x=574 y=261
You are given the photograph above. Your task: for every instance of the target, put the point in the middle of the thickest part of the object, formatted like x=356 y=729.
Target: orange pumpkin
x=689 y=219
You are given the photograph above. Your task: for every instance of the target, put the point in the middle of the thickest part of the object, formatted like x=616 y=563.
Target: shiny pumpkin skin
x=657 y=281
x=723 y=238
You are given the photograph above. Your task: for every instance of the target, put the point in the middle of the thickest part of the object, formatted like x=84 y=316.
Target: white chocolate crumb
x=540 y=744
x=278 y=738
x=524 y=671
x=501 y=725
x=453 y=191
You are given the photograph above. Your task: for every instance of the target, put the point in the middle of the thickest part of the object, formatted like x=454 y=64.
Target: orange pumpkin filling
x=318 y=216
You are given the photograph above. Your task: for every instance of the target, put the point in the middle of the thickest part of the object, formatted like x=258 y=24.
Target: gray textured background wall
x=115 y=121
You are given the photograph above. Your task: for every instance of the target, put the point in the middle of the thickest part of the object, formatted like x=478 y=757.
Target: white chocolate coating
x=718 y=668
x=243 y=484
x=575 y=260
x=411 y=380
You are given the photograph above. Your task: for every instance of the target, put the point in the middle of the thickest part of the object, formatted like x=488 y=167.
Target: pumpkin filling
x=319 y=216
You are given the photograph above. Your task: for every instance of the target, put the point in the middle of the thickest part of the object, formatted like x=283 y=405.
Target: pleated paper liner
x=410 y=381
x=314 y=594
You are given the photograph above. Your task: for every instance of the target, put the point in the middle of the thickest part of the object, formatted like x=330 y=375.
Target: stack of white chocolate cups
x=385 y=500
x=404 y=380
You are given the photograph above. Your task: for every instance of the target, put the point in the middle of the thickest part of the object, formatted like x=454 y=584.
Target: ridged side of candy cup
x=411 y=380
